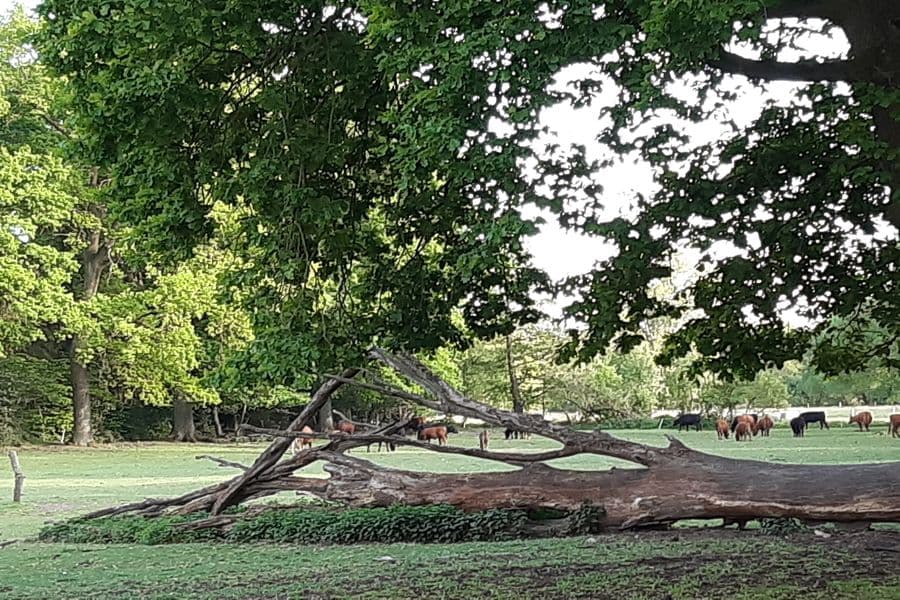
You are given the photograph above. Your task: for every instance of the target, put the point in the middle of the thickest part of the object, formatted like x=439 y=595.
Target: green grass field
x=63 y=482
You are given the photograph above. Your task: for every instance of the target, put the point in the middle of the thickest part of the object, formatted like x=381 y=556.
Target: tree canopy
x=382 y=154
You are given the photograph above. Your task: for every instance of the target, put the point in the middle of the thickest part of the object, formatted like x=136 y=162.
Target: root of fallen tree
x=667 y=484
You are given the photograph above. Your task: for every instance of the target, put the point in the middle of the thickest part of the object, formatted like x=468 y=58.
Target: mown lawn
x=683 y=565
x=63 y=482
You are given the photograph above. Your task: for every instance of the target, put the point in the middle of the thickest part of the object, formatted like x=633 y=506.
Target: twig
x=222 y=462
x=504 y=457
x=7 y=543
x=285 y=433
x=386 y=390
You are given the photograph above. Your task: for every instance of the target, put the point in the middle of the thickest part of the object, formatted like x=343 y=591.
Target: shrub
x=420 y=524
x=647 y=423
x=781 y=526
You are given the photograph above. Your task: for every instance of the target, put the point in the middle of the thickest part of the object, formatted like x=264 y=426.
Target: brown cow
x=743 y=431
x=894 y=425
x=483 y=439
x=749 y=419
x=863 y=419
x=438 y=433
x=300 y=443
x=346 y=427
x=722 y=429
x=763 y=426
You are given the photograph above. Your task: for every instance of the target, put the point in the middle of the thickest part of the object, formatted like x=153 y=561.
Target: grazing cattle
x=438 y=433
x=863 y=419
x=346 y=427
x=515 y=434
x=763 y=425
x=798 y=425
x=816 y=416
x=687 y=421
x=483 y=439
x=722 y=429
x=743 y=431
x=749 y=419
x=390 y=446
x=412 y=426
x=894 y=425
x=300 y=443
x=448 y=426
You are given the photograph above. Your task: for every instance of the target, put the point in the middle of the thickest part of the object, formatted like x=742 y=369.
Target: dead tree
x=667 y=484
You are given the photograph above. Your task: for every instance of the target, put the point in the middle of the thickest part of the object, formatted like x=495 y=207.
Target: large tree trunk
x=517 y=401
x=684 y=484
x=184 y=429
x=325 y=417
x=94 y=260
x=81 y=398
x=216 y=422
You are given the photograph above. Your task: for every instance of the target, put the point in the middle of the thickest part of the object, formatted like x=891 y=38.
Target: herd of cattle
x=745 y=427
x=416 y=425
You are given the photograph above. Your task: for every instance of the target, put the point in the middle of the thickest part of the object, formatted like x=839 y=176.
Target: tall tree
x=54 y=248
x=129 y=328
x=358 y=224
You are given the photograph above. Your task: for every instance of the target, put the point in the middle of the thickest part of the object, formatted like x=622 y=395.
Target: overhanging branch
x=803 y=9
x=804 y=70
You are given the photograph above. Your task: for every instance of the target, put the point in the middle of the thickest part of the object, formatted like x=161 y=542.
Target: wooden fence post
x=20 y=476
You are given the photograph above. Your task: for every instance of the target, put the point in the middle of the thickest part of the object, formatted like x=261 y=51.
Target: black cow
x=798 y=424
x=688 y=421
x=516 y=434
x=816 y=416
x=391 y=446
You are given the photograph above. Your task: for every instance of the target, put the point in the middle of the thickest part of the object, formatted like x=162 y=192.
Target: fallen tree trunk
x=692 y=485
x=667 y=484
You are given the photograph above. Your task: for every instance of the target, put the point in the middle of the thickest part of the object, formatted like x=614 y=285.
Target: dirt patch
x=709 y=564
x=57 y=507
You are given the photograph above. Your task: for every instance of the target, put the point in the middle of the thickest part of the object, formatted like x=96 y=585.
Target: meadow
x=63 y=482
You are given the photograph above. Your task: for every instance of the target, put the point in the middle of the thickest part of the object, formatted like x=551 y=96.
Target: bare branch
x=804 y=70
x=56 y=125
x=803 y=9
x=358 y=424
x=284 y=433
x=505 y=457
x=276 y=450
x=451 y=401
x=386 y=390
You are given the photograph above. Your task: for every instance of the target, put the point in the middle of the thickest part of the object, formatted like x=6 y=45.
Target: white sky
x=562 y=253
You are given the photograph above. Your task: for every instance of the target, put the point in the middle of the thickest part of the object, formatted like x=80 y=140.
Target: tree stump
x=20 y=476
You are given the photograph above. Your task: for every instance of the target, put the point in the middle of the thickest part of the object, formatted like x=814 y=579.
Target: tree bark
x=515 y=392
x=685 y=485
x=94 y=259
x=325 y=417
x=216 y=422
x=19 y=475
x=81 y=397
x=184 y=429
